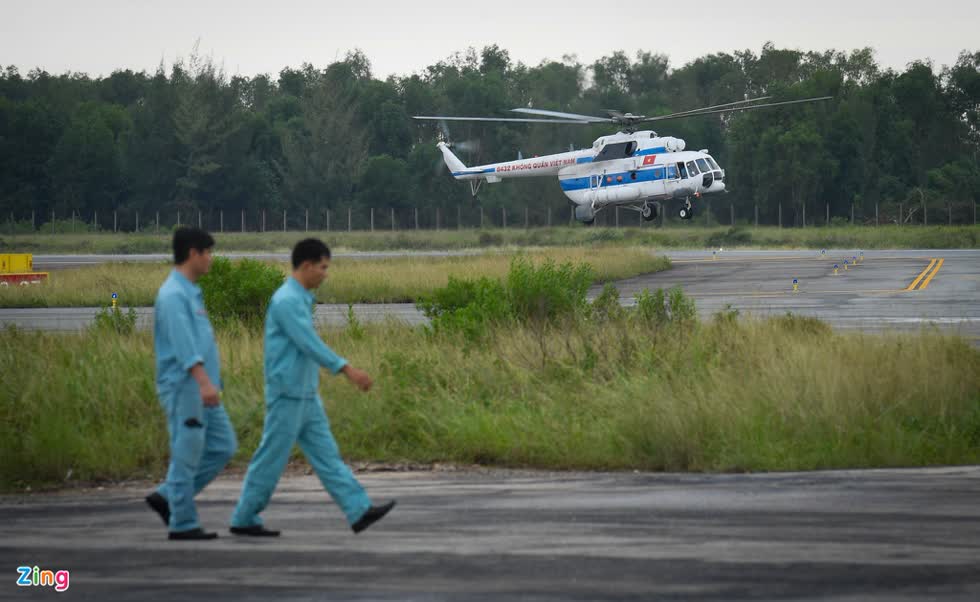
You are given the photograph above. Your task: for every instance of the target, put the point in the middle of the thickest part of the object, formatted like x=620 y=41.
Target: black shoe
x=254 y=530
x=192 y=534
x=160 y=506
x=371 y=516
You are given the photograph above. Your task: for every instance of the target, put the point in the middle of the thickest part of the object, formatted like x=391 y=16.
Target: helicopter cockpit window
x=703 y=165
x=682 y=171
x=619 y=150
x=713 y=164
x=692 y=169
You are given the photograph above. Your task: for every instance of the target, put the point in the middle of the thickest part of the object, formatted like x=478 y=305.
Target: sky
x=247 y=37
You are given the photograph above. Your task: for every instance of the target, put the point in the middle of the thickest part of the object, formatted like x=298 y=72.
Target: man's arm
x=189 y=357
x=297 y=325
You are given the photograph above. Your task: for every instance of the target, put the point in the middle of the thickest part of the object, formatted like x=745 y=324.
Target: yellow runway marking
x=922 y=275
x=929 y=278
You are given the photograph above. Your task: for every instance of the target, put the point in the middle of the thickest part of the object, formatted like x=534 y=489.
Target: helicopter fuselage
x=633 y=170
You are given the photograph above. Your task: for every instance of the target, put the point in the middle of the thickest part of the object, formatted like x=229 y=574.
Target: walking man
x=202 y=440
x=294 y=411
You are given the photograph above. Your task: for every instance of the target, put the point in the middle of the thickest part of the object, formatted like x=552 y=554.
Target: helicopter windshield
x=703 y=165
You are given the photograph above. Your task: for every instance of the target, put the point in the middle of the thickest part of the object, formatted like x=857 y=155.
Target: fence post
x=115 y=221
x=392 y=219
x=827 y=217
x=372 y=219
x=328 y=220
x=137 y=221
x=158 y=222
x=306 y=220
x=901 y=214
x=243 y=221
x=416 y=219
x=876 y=214
x=437 y=219
x=804 y=215
x=349 y=225
x=731 y=210
x=283 y=220
x=780 y=214
x=263 y=220
x=757 y=215
x=198 y=219
x=52 y=222
x=925 y=213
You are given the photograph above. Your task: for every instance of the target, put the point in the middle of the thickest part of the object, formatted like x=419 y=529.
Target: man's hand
x=358 y=378
x=210 y=395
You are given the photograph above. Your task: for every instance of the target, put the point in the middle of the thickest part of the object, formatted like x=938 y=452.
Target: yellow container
x=16 y=263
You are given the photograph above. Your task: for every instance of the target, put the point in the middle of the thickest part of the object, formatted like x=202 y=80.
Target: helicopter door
x=673 y=179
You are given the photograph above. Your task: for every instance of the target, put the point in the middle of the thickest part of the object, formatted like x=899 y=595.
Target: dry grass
x=400 y=279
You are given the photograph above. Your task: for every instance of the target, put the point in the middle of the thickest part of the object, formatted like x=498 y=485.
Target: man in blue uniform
x=294 y=411
x=202 y=440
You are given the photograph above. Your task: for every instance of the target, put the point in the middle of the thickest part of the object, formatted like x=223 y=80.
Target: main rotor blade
x=727 y=104
x=561 y=115
x=731 y=109
x=506 y=119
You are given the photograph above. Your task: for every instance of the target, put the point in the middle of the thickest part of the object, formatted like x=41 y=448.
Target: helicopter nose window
x=703 y=165
x=713 y=164
x=692 y=169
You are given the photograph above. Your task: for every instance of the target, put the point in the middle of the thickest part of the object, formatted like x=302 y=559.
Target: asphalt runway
x=874 y=295
x=887 y=535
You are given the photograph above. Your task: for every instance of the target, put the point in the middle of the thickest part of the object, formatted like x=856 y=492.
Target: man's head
x=311 y=258
x=192 y=251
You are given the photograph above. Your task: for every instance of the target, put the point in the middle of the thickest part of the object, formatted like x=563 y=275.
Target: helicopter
x=635 y=169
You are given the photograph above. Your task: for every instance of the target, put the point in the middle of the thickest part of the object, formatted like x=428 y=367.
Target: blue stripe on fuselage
x=642 y=175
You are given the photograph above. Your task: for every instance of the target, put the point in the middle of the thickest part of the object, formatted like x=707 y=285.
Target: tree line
x=191 y=138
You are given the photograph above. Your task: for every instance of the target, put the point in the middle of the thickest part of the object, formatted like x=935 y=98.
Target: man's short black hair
x=309 y=249
x=186 y=238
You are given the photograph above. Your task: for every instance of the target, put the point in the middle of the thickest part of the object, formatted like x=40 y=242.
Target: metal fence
x=710 y=213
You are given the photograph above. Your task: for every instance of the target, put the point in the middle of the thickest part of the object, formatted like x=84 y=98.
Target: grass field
x=691 y=236
x=728 y=395
x=392 y=280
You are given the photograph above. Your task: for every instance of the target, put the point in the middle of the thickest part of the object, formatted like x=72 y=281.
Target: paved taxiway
x=498 y=535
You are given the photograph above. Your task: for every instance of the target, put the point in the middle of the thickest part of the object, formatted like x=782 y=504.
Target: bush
x=239 y=291
x=112 y=319
x=530 y=293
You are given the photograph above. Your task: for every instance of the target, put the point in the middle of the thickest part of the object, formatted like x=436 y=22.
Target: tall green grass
x=618 y=391
x=686 y=235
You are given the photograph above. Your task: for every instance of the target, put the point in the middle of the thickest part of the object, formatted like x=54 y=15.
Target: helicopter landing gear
x=648 y=212
x=687 y=211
